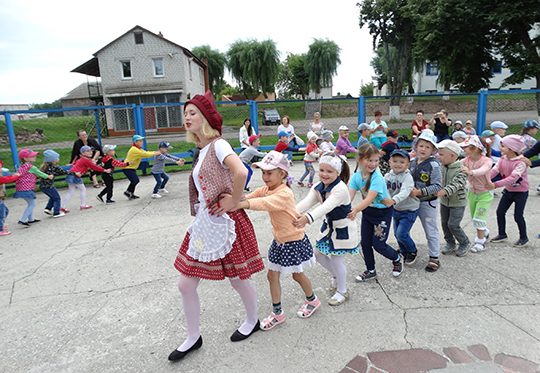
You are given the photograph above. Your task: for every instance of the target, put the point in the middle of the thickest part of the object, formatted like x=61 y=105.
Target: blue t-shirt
x=377 y=184
x=361 y=141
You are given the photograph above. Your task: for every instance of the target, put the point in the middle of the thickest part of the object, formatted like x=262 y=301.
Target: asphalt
x=96 y=291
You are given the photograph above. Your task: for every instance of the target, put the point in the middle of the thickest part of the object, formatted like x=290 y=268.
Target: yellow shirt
x=135 y=154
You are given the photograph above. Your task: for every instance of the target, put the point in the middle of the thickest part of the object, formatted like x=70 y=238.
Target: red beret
x=208 y=108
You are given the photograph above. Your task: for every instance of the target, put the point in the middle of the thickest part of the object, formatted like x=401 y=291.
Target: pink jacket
x=481 y=173
x=513 y=172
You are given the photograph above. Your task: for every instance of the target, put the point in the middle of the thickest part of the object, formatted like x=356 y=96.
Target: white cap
x=343 y=128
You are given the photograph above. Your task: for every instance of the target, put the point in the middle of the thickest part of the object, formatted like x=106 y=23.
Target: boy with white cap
x=343 y=145
x=326 y=144
x=453 y=198
x=500 y=130
x=363 y=133
x=158 y=168
x=109 y=163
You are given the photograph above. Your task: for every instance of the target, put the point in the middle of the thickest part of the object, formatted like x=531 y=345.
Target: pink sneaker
x=308 y=308
x=64 y=210
x=85 y=207
x=4 y=233
x=272 y=320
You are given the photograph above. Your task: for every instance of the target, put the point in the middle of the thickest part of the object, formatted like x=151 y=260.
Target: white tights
x=335 y=265
x=71 y=192
x=192 y=307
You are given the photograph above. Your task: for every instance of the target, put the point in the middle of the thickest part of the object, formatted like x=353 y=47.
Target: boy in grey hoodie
x=453 y=198
x=400 y=184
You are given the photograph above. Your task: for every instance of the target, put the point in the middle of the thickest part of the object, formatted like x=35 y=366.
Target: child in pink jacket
x=513 y=170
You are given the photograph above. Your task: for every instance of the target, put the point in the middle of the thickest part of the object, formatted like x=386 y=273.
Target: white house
x=143 y=67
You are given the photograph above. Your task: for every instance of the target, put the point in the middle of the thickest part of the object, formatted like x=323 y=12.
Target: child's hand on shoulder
x=466 y=170
x=156 y=153
x=302 y=149
x=352 y=215
x=415 y=192
x=50 y=177
x=301 y=221
x=388 y=202
x=181 y=162
x=131 y=162
x=17 y=174
x=527 y=162
x=108 y=170
x=440 y=193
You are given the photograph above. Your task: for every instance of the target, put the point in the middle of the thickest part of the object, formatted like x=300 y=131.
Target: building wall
x=326 y=92
x=13 y=107
x=75 y=103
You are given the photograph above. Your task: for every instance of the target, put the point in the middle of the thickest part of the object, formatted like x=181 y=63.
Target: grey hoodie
x=399 y=187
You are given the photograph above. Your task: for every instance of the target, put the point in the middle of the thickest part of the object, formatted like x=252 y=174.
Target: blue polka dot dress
x=291 y=257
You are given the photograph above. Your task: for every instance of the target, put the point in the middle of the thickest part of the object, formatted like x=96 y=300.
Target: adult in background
x=442 y=123
x=218 y=244
x=245 y=132
x=419 y=124
x=97 y=152
x=378 y=130
x=317 y=127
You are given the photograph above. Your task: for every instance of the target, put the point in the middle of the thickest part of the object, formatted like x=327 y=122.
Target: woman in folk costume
x=218 y=243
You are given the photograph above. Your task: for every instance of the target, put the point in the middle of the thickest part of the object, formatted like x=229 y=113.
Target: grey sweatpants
x=428 y=216
x=451 y=218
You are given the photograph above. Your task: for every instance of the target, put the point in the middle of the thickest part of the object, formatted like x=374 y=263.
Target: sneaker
x=398 y=266
x=463 y=250
x=34 y=221
x=64 y=210
x=310 y=185
x=59 y=215
x=300 y=183
x=521 y=243
x=127 y=194
x=308 y=308
x=86 y=207
x=155 y=195
x=479 y=246
x=133 y=196
x=338 y=298
x=498 y=239
x=449 y=248
x=366 y=275
x=48 y=212
x=110 y=201
x=538 y=189
x=272 y=321
x=100 y=198
x=247 y=189
x=23 y=223
x=410 y=258
x=4 y=233
x=164 y=191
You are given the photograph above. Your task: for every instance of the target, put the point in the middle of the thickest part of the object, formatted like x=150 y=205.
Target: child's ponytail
x=44 y=166
x=345 y=174
x=486 y=145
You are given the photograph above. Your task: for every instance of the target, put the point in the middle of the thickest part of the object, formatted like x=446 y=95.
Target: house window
x=190 y=74
x=126 y=69
x=201 y=76
x=497 y=69
x=432 y=69
x=158 y=67
x=138 y=37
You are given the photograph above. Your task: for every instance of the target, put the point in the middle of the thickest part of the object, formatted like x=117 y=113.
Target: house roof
x=79 y=92
x=91 y=67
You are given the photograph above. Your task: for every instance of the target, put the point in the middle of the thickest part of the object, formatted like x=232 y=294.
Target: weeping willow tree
x=254 y=65
x=321 y=63
x=216 y=66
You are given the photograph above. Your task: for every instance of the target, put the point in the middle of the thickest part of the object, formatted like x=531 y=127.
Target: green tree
x=254 y=65
x=367 y=89
x=293 y=80
x=46 y=106
x=321 y=63
x=216 y=66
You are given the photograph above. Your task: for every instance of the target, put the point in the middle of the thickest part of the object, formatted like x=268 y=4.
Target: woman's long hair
x=249 y=129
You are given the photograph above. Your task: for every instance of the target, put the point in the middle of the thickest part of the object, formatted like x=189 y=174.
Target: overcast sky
x=42 y=41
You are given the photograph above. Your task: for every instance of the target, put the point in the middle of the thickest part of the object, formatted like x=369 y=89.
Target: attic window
x=138 y=37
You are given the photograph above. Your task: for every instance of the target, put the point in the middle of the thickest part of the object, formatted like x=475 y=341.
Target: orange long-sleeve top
x=281 y=206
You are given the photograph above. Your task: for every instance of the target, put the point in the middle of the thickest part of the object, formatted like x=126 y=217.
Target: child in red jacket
x=3 y=209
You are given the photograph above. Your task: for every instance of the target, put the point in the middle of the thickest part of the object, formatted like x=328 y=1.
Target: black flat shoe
x=34 y=221
x=179 y=355
x=237 y=336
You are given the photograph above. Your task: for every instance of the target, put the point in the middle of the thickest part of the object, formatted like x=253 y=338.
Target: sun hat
x=469 y=121
x=459 y=135
x=327 y=135
x=531 y=123
x=498 y=124
x=273 y=160
x=459 y=122
x=487 y=133
x=284 y=133
x=106 y=148
x=474 y=140
x=311 y=135
x=208 y=109
x=136 y=137
x=429 y=136
x=165 y=144
x=363 y=126
x=85 y=149
x=343 y=128
x=393 y=133
x=252 y=138
x=514 y=142
x=27 y=153
x=450 y=145
x=400 y=153
x=50 y=156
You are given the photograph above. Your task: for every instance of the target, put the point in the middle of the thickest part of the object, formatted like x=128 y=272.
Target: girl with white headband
x=338 y=235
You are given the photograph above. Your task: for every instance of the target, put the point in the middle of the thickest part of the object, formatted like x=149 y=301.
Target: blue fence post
x=254 y=115
x=481 y=111
x=361 y=112
x=96 y=116
x=12 y=143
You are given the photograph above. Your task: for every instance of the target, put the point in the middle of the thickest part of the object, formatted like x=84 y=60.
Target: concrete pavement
x=95 y=291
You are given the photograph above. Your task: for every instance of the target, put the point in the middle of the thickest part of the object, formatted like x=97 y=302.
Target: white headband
x=474 y=141
x=333 y=161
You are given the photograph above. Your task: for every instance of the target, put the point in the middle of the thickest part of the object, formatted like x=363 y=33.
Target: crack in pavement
x=513 y=323
x=404 y=311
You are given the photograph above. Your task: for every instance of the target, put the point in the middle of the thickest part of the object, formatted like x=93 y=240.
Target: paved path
x=95 y=291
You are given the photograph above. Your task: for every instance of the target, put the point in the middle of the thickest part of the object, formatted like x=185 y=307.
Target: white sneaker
x=59 y=215
x=538 y=189
x=165 y=191
x=48 y=212
x=155 y=195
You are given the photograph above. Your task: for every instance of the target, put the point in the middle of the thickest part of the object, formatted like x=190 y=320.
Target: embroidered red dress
x=244 y=258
